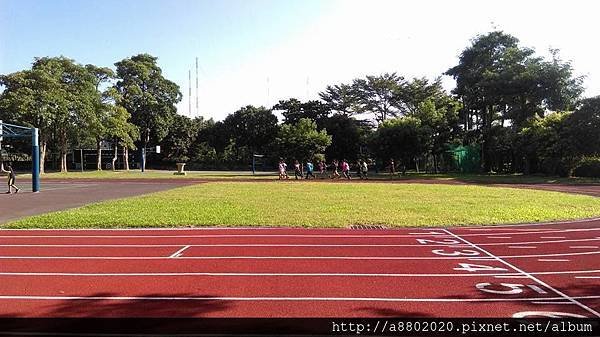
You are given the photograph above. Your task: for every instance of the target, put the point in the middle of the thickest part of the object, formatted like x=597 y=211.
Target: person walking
x=322 y=169
x=346 y=169
x=12 y=179
x=282 y=170
x=334 y=173
x=309 y=170
x=297 y=171
x=359 y=168
x=364 y=169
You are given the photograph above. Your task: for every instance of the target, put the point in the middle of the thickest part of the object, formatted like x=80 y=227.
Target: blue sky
x=260 y=51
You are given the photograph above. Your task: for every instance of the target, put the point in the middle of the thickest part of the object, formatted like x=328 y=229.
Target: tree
x=302 y=140
x=97 y=122
x=378 y=95
x=180 y=139
x=57 y=96
x=252 y=127
x=148 y=96
x=498 y=81
x=583 y=126
x=293 y=110
x=546 y=145
x=402 y=139
x=340 y=98
x=121 y=132
x=348 y=137
x=439 y=121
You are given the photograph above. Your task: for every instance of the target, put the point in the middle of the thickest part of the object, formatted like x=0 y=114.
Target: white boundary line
x=502 y=275
x=235 y=245
x=571 y=299
x=286 y=257
x=283 y=235
x=471 y=227
x=179 y=252
x=303 y=245
x=356 y=299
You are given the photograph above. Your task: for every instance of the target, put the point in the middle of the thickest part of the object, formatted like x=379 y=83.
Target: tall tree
x=378 y=95
x=148 y=96
x=293 y=110
x=302 y=140
x=252 y=127
x=56 y=96
x=180 y=138
x=498 y=81
x=340 y=98
x=97 y=123
x=348 y=137
x=401 y=139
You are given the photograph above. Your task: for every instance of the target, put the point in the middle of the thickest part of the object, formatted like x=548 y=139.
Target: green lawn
x=323 y=205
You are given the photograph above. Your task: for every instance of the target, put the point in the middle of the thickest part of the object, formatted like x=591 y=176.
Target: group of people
x=12 y=178
x=362 y=169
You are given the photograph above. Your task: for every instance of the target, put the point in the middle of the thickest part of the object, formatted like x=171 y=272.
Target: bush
x=588 y=167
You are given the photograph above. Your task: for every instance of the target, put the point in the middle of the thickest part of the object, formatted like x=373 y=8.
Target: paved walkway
x=59 y=195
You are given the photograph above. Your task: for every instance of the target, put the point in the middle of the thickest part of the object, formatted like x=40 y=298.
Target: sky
x=257 y=52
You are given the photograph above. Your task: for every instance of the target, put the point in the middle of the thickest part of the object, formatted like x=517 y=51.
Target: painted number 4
x=477 y=267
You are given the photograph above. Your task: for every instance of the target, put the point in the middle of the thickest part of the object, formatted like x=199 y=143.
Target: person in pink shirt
x=346 y=169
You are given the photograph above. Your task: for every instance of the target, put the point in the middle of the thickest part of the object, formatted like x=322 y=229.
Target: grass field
x=323 y=205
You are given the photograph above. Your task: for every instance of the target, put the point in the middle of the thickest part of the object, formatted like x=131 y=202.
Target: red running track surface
x=242 y=272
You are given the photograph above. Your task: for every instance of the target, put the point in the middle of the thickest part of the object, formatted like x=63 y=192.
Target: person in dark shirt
x=12 y=178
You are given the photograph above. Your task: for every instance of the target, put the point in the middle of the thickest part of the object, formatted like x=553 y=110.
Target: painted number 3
x=464 y=252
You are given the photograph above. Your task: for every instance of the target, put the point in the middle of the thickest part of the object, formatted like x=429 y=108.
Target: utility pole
x=197 y=110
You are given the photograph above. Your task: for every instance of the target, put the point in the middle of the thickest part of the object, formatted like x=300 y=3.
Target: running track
x=499 y=271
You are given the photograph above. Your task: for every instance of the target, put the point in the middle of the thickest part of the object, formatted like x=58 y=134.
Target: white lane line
x=179 y=252
x=242 y=274
x=540 y=282
x=588 y=277
x=522 y=247
x=553 y=237
x=302 y=245
x=552 y=303
x=554 y=260
x=539 y=224
x=285 y=257
x=357 y=299
x=41 y=236
x=214 y=236
x=237 y=245
x=506 y=275
x=526 y=232
x=584 y=247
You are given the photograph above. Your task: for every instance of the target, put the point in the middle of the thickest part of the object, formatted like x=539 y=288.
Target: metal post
x=35 y=157
x=143 y=164
x=1 y=158
x=253 y=164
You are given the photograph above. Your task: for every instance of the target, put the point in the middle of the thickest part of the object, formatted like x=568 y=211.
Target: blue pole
x=35 y=157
